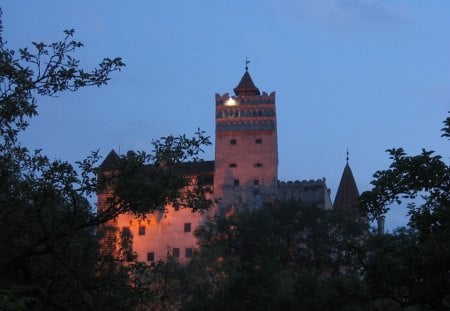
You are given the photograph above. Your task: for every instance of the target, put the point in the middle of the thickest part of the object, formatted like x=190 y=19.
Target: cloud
x=353 y=12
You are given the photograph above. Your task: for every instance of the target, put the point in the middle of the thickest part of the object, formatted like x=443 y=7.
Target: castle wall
x=158 y=234
x=313 y=192
x=162 y=233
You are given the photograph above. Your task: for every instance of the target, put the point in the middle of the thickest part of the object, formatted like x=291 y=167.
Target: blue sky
x=363 y=74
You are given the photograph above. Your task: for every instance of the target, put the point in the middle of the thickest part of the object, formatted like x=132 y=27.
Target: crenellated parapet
x=302 y=183
x=311 y=191
x=227 y=99
x=245 y=112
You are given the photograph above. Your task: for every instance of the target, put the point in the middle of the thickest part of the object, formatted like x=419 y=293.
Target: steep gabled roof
x=111 y=161
x=246 y=87
x=196 y=168
x=347 y=194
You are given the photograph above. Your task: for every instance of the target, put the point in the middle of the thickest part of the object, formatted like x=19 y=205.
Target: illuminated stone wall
x=246 y=157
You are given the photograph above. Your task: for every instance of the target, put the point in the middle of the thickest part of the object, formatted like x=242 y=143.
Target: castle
x=243 y=175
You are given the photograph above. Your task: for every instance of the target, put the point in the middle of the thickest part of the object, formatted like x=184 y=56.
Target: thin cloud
x=353 y=12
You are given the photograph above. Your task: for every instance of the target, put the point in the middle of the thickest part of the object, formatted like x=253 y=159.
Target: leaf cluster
x=261 y=259
x=58 y=251
x=46 y=70
x=411 y=266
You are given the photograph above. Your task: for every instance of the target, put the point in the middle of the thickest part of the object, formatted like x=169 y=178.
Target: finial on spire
x=246 y=63
x=347 y=155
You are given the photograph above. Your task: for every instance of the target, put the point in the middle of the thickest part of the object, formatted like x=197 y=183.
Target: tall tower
x=246 y=159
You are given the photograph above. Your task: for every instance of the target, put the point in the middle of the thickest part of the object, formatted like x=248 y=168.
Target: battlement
x=302 y=183
x=311 y=191
x=229 y=100
x=245 y=112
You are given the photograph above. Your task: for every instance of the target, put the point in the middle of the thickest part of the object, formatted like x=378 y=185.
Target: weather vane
x=246 y=63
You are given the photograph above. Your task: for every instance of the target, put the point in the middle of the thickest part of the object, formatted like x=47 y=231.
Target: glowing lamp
x=230 y=102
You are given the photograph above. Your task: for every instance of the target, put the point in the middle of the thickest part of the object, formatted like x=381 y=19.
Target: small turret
x=347 y=194
x=111 y=161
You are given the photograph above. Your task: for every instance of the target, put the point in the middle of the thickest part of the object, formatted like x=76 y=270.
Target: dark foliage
x=56 y=251
x=284 y=256
x=411 y=266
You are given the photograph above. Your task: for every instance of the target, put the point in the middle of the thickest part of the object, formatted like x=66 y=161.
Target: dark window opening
x=189 y=252
x=236 y=182
x=151 y=256
x=258 y=165
x=255 y=182
x=233 y=165
x=141 y=230
x=233 y=142
x=176 y=206
x=176 y=252
x=258 y=141
x=187 y=227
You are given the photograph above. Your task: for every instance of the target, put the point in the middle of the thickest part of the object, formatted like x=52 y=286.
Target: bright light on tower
x=230 y=102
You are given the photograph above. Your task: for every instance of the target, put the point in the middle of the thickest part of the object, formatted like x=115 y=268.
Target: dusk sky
x=360 y=74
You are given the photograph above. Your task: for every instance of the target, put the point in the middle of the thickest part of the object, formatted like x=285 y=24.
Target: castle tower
x=246 y=155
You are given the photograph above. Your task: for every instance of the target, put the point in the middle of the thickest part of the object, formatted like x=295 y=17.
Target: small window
x=258 y=165
x=141 y=230
x=236 y=182
x=255 y=182
x=232 y=165
x=176 y=252
x=233 y=142
x=151 y=256
x=189 y=252
x=187 y=227
x=176 y=206
x=258 y=141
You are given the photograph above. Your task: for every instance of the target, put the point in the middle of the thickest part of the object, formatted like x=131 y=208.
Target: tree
x=420 y=254
x=282 y=256
x=49 y=229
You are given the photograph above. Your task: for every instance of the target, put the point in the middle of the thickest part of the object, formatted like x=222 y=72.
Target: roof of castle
x=246 y=87
x=196 y=168
x=347 y=194
x=111 y=161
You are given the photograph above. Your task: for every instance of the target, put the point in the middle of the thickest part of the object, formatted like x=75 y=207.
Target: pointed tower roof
x=111 y=161
x=347 y=194
x=246 y=87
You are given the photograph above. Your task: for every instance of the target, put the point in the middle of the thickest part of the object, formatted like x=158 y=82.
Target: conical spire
x=347 y=194
x=111 y=161
x=246 y=87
